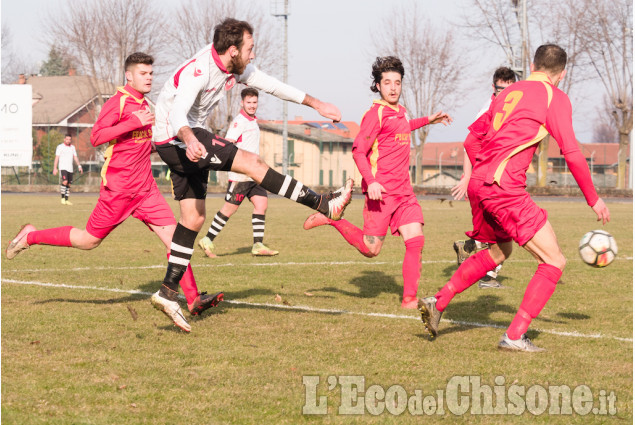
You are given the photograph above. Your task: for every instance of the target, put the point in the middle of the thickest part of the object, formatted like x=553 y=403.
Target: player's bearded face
x=245 y=55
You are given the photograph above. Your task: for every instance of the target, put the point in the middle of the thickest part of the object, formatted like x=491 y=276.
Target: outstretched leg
x=331 y=205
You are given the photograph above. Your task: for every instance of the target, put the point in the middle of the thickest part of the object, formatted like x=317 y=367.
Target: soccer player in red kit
x=502 y=210
x=503 y=77
x=381 y=152
x=127 y=188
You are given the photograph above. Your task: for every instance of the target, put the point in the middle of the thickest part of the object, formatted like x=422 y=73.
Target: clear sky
x=330 y=55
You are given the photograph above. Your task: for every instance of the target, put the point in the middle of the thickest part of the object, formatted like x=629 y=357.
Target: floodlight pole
x=285 y=64
x=520 y=64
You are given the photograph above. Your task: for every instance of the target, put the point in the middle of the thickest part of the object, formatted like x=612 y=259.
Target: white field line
x=574 y=334
x=277 y=264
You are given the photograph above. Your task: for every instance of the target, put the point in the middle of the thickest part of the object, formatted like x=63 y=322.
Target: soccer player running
x=502 y=210
x=127 y=188
x=381 y=152
x=245 y=133
x=65 y=153
x=503 y=77
x=183 y=107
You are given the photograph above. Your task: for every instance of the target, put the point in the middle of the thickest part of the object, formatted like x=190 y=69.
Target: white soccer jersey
x=190 y=94
x=66 y=154
x=245 y=131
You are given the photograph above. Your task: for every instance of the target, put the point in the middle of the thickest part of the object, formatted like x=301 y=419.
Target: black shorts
x=67 y=175
x=237 y=191
x=189 y=179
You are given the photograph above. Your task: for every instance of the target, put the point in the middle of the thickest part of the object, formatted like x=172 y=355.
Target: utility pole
x=280 y=8
x=520 y=53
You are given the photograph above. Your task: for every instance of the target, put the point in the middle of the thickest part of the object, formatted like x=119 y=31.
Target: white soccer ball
x=598 y=248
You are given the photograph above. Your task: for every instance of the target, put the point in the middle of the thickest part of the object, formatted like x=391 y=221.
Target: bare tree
x=497 y=22
x=12 y=64
x=604 y=130
x=431 y=59
x=98 y=36
x=193 y=29
x=608 y=44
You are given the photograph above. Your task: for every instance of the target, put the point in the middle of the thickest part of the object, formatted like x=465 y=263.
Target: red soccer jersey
x=518 y=119
x=381 y=150
x=127 y=167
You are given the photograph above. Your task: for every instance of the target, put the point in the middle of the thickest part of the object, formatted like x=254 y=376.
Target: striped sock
x=258 y=226
x=217 y=225
x=62 y=190
x=180 y=254
x=68 y=191
x=290 y=188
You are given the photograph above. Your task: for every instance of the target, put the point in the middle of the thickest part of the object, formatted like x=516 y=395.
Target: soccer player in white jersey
x=503 y=77
x=245 y=133
x=183 y=107
x=65 y=153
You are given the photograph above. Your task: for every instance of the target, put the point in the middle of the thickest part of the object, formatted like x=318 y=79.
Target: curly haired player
x=381 y=152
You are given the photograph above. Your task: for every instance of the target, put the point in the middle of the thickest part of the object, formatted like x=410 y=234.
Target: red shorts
x=393 y=211
x=500 y=215
x=113 y=208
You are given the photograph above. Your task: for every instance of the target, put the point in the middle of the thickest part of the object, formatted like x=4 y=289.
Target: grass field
x=81 y=343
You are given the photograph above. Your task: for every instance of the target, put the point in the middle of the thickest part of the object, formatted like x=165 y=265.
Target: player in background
x=502 y=78
x=127 y=188
x=245 y=133
x=65 y=153
x=502 y=210
x=183 y=107
x=381 y=152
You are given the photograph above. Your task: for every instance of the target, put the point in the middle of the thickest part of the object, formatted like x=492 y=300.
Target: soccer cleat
x=461 y=253
x=261 y=250
x=171 y=309
x=489 y=282
x=430 y=316
x=19 y=243
x=315 y=220
x=338 y=200
x=207 y=246
x=203 y=302
x=68 y=202
x=63 y=201
x=409 y=303
x=522 y=344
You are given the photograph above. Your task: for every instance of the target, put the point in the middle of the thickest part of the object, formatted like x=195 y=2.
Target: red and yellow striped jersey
x=127 y=166
x=381 y=149
x=517 y=120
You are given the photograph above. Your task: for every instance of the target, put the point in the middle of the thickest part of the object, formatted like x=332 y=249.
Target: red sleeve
x=109 y=126
x=559 y=125
x=368 y=132
x=472 y=146
x=474 y=140
x=417 y=123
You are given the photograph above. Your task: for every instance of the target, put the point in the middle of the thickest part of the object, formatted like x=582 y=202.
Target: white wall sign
x=16 y=119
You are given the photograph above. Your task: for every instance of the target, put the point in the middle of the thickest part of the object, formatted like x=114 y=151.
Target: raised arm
x=559 y=124
x=253 y=77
